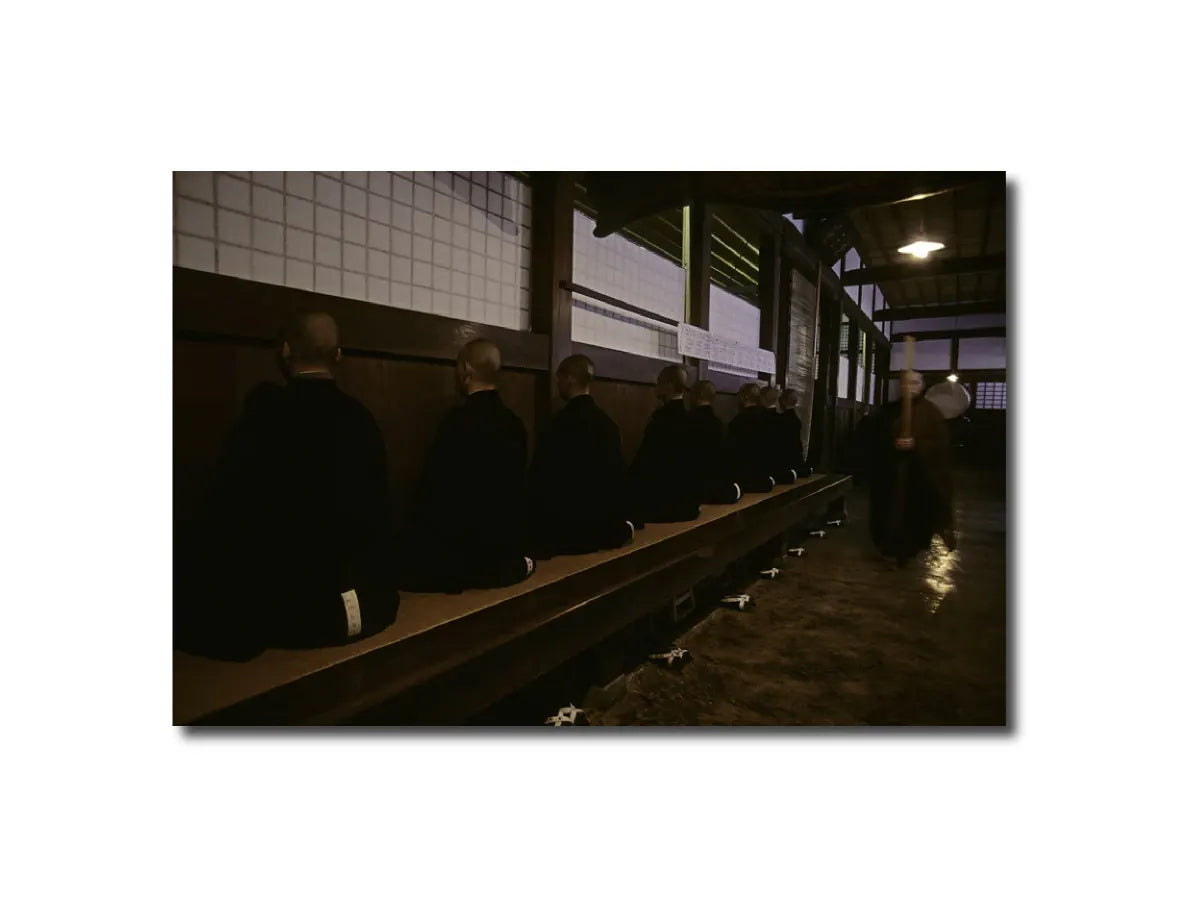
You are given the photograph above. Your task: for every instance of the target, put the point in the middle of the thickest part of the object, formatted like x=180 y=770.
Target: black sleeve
x=539 y=483
x=516 y=513
x=437 y=483
x=615 y=471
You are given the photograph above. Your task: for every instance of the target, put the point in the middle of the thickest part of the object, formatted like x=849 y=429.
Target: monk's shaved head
x=311 y=341
x=579 y=370
x=478 y=365
x=749 y=394
x=703 y=393
x=769 y=396
x=672 y=381
x=573 y=376
x=789 y=398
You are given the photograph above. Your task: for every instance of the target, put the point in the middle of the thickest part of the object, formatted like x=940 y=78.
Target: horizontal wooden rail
x=214 y=306
x=618 y=303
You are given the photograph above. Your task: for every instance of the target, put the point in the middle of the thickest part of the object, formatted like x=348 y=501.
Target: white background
x=102 y=795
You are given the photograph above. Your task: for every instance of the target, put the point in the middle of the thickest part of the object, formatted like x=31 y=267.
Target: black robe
x=791 y=455
x=299 y=513
x=575 y=485
x=713 y=466
x=468 y=525
x=911 y=490
x=750 y=445
x=662 y=485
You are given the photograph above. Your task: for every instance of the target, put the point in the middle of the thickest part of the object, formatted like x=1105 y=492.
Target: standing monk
x=575 y=484
x=910 y=475
x=469 y=524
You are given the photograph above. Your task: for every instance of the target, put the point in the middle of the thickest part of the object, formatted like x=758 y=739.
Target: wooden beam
x=915 y=312
x=623 y=197
x=924 y=268
x=618 y=303
x=552 y=269
x=965 y=333
x=979 y=374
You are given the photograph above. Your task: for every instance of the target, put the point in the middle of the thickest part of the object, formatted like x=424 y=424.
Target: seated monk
x=575 y=496
x=750 y=441
x=783 y=467
x=662 y=478
x=791 y=426
x=717 y=485
x=468 y=528
x=292 y=547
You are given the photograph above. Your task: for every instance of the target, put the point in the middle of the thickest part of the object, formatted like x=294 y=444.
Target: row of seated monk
x=297 y=542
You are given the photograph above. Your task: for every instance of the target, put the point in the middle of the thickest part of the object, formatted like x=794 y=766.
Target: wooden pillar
x=834 y=312
x=552 y=264
x=769 y=298
x=699 y=279
x=826 y=388
x=785 y=319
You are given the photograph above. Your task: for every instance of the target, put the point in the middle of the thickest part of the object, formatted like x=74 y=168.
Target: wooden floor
x=846 y=638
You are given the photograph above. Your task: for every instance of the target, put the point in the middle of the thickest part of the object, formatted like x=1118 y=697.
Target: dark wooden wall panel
x=630 y=405
x=407 y=398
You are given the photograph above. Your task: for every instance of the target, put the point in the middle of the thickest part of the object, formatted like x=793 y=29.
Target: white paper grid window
x=990 y=395
x=735 y=319
x=455 y=244
x=626 y=271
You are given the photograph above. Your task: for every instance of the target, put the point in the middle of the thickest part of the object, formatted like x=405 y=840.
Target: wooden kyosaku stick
x=905 y=395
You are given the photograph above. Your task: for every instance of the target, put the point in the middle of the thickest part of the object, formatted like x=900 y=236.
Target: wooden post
x=699 y=279
x=552 y=264
x=826 y=387
x=785 y=319
x=834 y=312
x=769 y=298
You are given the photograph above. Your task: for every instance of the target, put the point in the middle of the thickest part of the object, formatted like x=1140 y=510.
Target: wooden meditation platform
x=449 y=656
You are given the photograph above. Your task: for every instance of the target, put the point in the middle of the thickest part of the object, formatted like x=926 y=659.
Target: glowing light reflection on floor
x=940 y=566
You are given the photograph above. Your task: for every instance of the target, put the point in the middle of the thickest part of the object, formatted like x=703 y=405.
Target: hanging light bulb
x=952 y=378
x=921 y=248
